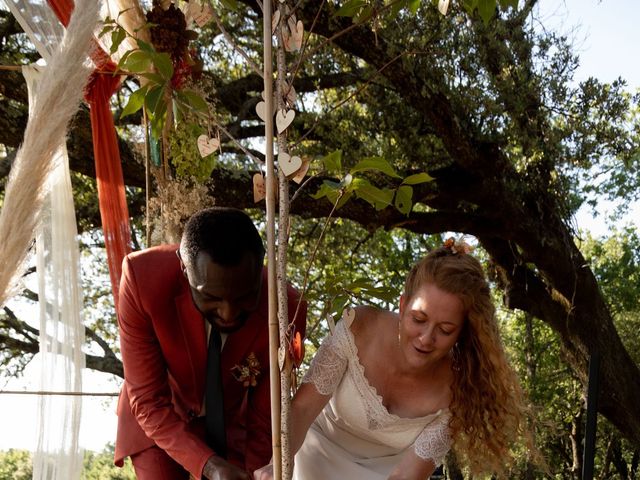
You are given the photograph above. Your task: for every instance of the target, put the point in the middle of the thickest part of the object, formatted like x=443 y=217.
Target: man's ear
x=183 y=267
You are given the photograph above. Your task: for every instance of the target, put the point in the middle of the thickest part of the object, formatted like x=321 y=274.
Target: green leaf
x=417 y=178
x=135 y=102
x=403 y=200
x=364 y=15
x=486 y=9
x=193 y=100
x=117 y=37
x=470 y=6
x=153 y=78
x=351 y=8
x=413 y=5
x=327 y=189
x=333 y=162
x=106 y=29
x=232 y=4
x=504 y=4
x=375 y=196
x=375 y=163
x=163 y=64
x=137 y=61
x=145 y=47
x=154 y=98
x=158 y=118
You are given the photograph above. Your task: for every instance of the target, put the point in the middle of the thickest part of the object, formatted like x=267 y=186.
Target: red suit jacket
x=164 y=352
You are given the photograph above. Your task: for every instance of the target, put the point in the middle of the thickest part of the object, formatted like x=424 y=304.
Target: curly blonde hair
x=489 y=411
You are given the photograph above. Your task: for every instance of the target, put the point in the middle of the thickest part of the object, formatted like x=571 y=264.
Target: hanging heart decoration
x=275 y=20
x=297 y=36
x=206 y=145
x=261 y=110
x=259 y=188
x=284 y=119
x=302 y=171
x=443 y=6
x=289 y=164
x=348 y=315
x=201 y=13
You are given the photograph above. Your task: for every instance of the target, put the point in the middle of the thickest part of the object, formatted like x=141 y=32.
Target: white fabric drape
x=40 y=24
x=58 y=454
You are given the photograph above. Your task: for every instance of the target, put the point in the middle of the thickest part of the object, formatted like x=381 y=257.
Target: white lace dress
x=355 y=437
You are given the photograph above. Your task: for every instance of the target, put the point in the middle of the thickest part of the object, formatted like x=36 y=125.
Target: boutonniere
x=248 y=372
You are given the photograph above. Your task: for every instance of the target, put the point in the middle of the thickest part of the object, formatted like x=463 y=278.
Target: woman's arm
x=305 y=407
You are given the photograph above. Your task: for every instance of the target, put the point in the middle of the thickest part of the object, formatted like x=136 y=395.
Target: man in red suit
x=171 y=301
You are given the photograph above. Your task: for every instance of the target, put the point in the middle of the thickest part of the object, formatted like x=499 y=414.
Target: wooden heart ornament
x=200 y=13
x=261 y=110
x=206 y=145
x=297 y=36
x=261 y=107
x=288 y=164
x=443 y=6
x=348 y=316
x=275 y=19
x=284 y=119
x=259 y=188
x=299 y=176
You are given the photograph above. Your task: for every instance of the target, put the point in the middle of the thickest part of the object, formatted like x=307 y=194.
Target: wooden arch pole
x=274 y=369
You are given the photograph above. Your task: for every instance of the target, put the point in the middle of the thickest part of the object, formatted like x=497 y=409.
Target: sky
x=606 y=37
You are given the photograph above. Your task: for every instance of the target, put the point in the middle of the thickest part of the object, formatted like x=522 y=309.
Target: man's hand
x=264 y=473
x=218 y=468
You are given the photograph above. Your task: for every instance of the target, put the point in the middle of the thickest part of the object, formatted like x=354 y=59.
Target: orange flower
x=248 y=372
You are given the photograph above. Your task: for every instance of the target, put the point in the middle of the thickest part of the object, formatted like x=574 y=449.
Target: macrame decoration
x=38 y=203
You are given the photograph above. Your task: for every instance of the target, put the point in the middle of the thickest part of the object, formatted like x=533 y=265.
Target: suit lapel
x=193 y=330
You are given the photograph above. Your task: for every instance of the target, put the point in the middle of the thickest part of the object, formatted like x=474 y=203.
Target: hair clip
x=457 y=246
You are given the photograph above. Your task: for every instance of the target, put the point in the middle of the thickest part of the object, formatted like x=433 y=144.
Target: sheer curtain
x=58 y=454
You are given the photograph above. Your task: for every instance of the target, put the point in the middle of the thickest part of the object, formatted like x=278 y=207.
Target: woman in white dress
x=388 y=394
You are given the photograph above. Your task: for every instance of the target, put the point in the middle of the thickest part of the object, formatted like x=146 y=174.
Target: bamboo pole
x=283 y=243
x=271 y=250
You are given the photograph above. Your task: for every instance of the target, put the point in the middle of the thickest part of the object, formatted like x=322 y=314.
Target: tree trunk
x=576 y=437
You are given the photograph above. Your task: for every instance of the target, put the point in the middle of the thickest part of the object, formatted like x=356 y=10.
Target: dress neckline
x=379 y=401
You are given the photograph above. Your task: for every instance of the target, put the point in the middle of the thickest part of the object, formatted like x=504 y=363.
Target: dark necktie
x=214 y=400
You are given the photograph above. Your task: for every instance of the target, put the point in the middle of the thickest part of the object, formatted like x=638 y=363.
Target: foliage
x=15 y=465
x=185 y=156
x=157 y=94
x=350 y=184
x=99 y=466
x=484 y=103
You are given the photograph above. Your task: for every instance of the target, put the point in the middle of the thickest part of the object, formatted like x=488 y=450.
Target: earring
x=398 y=333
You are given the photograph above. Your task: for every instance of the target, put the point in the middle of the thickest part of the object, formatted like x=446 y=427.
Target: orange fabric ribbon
x=111 y=193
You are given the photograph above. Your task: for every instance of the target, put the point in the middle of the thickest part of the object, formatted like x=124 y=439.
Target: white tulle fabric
x=355 y=436
x=58 y=454
x=40 y=24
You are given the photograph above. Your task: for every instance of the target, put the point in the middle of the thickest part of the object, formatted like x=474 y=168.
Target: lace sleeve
x=435 y=441
x=329 y=363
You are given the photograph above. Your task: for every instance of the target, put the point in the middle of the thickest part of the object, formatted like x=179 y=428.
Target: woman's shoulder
x=371 y=321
